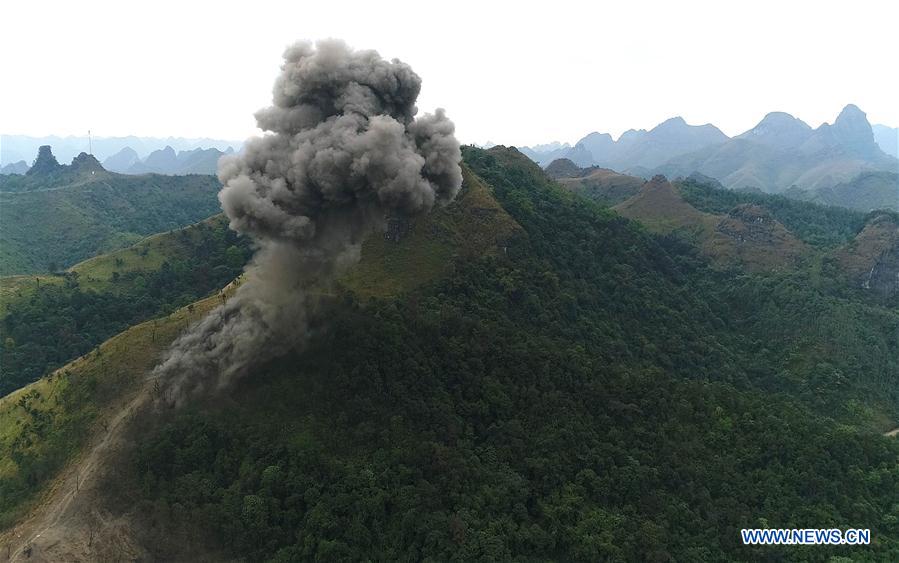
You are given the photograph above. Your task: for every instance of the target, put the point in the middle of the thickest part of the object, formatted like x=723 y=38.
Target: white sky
x=510 y=72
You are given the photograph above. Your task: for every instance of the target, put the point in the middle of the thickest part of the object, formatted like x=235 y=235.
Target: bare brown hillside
x=748 y=236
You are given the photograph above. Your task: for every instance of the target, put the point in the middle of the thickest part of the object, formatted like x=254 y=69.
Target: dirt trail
x=891 y=433
x=68 y=525
x=71 y=523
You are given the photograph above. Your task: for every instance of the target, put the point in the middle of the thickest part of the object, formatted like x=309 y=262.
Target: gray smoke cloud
x=343 y=150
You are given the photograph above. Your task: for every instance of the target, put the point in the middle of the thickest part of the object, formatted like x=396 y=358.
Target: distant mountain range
x=19 y=167
x=783 y=152
x=128 y=161
x=642 y=150
x=780 y=154
x=887 y=138
x=634 y=149
x=17 y=148
x=866 y=192
x=166 y=161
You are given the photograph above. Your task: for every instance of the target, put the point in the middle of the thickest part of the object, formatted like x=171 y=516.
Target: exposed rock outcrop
x=86 y=163
x=45 y=163
x=872 y=260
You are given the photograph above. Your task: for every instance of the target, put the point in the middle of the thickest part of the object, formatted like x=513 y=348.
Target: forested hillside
x=570 y=386
x=819 y=225
x=60 y=216
x=591 y=392
x=48 y=320
x=48 y=423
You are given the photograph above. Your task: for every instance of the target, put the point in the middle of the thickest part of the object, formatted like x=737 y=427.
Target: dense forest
x=65 y=219
x=593 y=392
x=818 y=225
x=56 y=322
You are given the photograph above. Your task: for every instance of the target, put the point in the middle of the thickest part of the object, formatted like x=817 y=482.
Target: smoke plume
x=343 y=150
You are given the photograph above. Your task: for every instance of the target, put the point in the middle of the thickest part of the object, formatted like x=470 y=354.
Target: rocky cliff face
x=750 y=223
x=45 y=163
x=872 y=259
x=852 y=131
x=883 y=279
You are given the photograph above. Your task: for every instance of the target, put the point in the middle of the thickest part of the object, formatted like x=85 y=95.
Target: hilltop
x=20 y=167
x=599 y=184
x=659 y=206
x=58 y=215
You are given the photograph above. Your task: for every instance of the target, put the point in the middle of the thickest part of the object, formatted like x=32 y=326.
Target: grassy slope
x=473 y=225
x=46 y=320
x=67 y=222
x=96 y=273
x=67 y=405
x=732 y=240
x=604 y=186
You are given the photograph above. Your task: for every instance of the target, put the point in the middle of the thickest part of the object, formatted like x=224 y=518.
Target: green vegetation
x=422 y=250
x=46 y=321
x=818 y=225
x=603 y=186
x=67 y=219
x=45 y=424
x=593 y=392
x=48 y=421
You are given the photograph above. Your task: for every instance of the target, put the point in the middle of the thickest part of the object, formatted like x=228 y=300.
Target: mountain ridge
x=167 y=161
x=58 y=215
x=14 y=148
x=778 y=154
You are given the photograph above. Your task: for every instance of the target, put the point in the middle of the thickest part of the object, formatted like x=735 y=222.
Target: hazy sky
x=510 y=72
